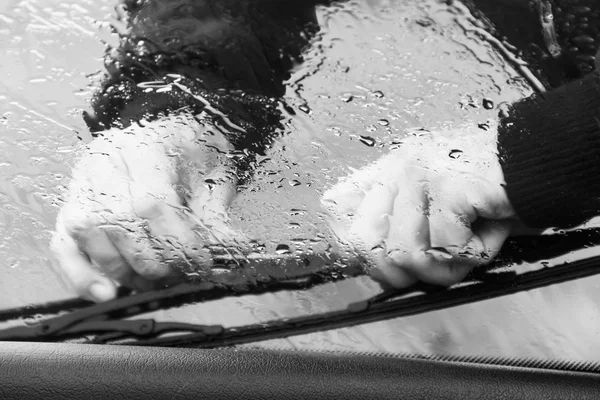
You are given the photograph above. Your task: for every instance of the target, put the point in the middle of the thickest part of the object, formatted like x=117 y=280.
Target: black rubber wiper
x=87 y=318
x=390 y=304
x=106 y=323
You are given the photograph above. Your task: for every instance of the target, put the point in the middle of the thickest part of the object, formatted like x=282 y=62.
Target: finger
x=179 y=237
x=139 y=253
x=344 y=197
x=372 y=223
x=388 y=273
x=165 y=222
x=85 y=279
x=103 y=254
x=450 y=216
x=482 y=247
x=452 y=267
x=430 y=269
x=448 y=230
x=210 y=205
x=340 y=204
x=409 y=226
x=409 y=231
x=489 y=237
x=347 y=195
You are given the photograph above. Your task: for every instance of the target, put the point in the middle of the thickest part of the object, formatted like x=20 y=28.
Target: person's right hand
x=138 y=209
x=429 y=211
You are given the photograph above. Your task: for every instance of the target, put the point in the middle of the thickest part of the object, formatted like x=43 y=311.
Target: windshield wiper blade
x=307 y=270
x=53 y=307
x=387 y=305
x=528 y=249
x=106 y=324
x=63 y=326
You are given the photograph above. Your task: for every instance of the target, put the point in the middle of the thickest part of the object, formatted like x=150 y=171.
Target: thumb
x=487 y=240
x=449 y=267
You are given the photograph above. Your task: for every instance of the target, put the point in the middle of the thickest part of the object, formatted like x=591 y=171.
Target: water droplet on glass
x=425 y=22
x=369 y=141
x=209 y=183
x=297 y=211
x=383 y=122
x=305 y=109
x=484 y=125
x=488 y=104
x=282 y=249
x=417 y=132
x=455 y=153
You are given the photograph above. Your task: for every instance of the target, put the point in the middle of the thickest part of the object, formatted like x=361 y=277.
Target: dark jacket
x=236 y=54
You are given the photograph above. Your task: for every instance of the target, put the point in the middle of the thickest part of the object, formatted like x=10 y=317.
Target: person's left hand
x=139 y=213
x=429 y=211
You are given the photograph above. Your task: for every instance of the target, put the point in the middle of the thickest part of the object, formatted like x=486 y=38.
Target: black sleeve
x=235 y=54
x=550 y=153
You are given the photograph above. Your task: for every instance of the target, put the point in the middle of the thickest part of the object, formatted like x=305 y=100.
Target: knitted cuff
x=549 y=148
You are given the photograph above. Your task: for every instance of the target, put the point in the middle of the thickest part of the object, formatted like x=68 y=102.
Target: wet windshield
x=376 y=73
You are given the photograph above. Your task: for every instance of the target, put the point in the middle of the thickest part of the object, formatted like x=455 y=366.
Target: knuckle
x=73 y=221
x=148 y=207
x=151 y=265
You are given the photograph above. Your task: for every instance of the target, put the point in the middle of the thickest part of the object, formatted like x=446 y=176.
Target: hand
x=428 y=211
x=138 y=210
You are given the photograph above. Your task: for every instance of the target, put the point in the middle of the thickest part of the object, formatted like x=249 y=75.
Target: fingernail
x=102 y=292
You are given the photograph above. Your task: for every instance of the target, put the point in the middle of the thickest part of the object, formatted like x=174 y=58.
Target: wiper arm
x=104 y=323
x=97 y=317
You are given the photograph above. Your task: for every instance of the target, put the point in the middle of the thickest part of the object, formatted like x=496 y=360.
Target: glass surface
x=377 y=72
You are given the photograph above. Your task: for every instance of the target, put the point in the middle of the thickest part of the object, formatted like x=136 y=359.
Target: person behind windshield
x=194 y=82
